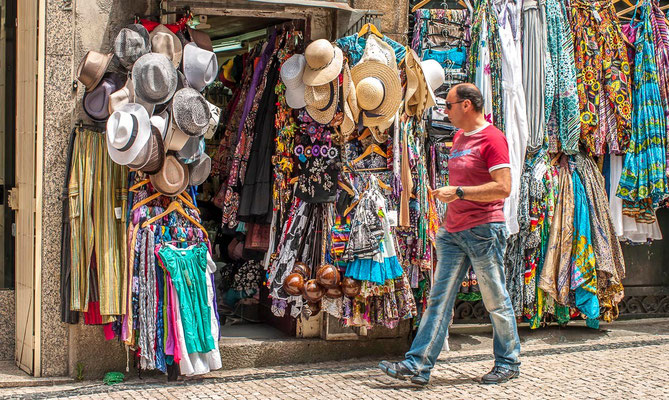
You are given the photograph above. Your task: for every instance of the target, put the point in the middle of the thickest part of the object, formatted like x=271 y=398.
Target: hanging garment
x=515 y=114
x=66 y=313
x=562 y=108
x=534 y=70
x=187 y=268
x=555 y=275
x=626 y=227
x=583 y=272
x=643 y=183
x=604 y=77
x=485 y=59
x=605 y=244
x=661 y=42
x=255 y=204
x=354 y=47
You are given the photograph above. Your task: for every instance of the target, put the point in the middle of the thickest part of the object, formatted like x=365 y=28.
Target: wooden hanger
x=370 y=28
x=176 y=206
x=365 y=134
x=138 y=185
x=145 y=201
x=182 y=196
x=346 y=188
x=420 y=4
x=368 y=151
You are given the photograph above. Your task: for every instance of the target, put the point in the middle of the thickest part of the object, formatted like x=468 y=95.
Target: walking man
x=474 y=231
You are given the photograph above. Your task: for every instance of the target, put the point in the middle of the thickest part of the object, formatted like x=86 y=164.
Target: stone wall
x=7 y=324
x=395 y=20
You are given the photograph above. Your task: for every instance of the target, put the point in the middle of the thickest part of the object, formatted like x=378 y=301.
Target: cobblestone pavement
x=629 y=365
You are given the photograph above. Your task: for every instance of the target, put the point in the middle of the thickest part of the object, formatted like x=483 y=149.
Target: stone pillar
x=92 y=25
x=395 y=19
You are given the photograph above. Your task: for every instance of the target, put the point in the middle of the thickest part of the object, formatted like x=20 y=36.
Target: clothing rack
x=93 y=127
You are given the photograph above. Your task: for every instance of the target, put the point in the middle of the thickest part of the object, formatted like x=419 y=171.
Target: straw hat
x=380 y=133
x=377 y=83
x=154 y=78
x=131 y=43
x=172 y=178
x=200 y=66
x=199 y=170
x=92 y=68
x=412 y=95
x=96 y=102
x=322 y=101
x=292 y=71
x=350 y=104
x=191 y=112
x=323 y=63
x=128 y=131
x=165 y=42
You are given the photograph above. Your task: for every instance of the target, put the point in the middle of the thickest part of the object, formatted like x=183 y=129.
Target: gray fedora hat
x=181 y=83
x=131 y=43
x=199 y=170
x=154 y=78
x=96 y=102
x=191 y=112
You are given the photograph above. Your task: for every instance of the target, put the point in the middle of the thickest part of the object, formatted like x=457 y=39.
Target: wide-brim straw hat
x=92 y=68
x=322 y=101
x=380 y=133
x=165 y=42
x=154 y=78
x=323 y=63
x=172 y=179
x=199 y=170
x=191 y=112
x=128 y=131
x=349 y=104
x=131 y=43
x=414 y=98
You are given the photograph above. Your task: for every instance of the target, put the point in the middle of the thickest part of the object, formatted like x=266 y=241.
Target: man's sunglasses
x=449 y=104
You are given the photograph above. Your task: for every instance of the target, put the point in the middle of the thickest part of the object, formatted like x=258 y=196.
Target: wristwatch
x=460 y=192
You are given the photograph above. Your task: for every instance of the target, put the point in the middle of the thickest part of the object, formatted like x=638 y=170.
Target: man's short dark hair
x=467 y=91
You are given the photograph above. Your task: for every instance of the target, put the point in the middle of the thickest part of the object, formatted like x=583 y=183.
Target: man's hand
x=445 y=194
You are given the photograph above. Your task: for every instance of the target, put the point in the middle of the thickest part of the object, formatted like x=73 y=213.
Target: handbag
x=257 y=237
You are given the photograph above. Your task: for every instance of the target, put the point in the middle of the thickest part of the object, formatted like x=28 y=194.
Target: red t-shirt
x=473 y=157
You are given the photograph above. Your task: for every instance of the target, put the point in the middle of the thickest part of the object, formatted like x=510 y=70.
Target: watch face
x=459 y=192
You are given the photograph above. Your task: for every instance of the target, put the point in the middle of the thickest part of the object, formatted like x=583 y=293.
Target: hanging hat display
x=92 y=68
x=192 y=150
x=131 y=43
x=321 y=101
x=350 y=104
x=172 y=178
x=154 y=78
x=191 y=112
x=377 y=83
x=291 y=75
x=165 y=42
x=323 y=63
x=434 y=77
x=128 y=131
x=153 y=155
x=213 y=120
x=199 y=170
x=96 y=102
x=200 y=66
x=201 y=39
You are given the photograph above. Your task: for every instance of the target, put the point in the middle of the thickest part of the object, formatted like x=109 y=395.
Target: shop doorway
x=244 y=309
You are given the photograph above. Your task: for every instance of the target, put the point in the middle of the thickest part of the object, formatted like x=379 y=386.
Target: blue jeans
x=484 y=246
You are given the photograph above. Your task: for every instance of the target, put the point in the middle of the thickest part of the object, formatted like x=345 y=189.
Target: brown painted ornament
x=334 y=292
x=293 y=284
x=328 y=276
x=312 y=291
x=350 y=287
x=302 y=269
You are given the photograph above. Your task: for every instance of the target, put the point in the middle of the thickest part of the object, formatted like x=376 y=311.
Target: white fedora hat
x=291 y=75
x=128 y=131
x=200 y=66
